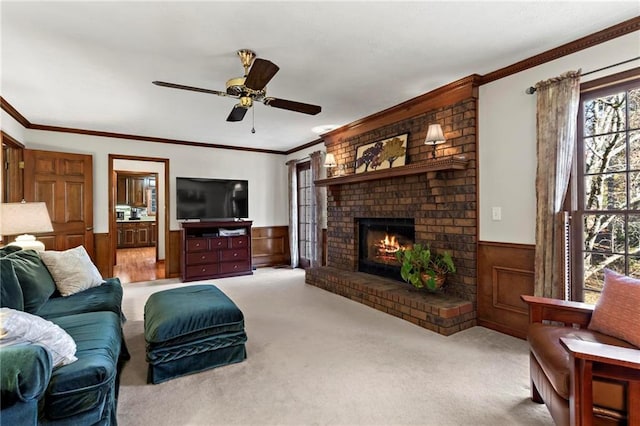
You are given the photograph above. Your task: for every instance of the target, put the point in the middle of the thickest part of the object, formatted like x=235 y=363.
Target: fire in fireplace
x=379 y=240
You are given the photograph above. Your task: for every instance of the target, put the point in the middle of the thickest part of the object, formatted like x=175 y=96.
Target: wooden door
x=64 y=182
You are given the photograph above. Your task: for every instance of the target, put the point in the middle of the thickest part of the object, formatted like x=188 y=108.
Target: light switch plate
x=496 y=213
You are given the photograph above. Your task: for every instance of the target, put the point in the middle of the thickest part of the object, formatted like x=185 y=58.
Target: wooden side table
x=590 y=359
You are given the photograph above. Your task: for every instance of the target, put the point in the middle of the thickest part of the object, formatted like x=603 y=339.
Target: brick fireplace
x=441 y=205
x=378 y=241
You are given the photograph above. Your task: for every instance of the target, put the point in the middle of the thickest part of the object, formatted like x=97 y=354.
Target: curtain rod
x=531 y=90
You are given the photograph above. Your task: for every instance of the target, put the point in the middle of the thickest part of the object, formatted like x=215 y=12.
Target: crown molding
x=451 y=93
x=6 y=106
x=9 y=109
x=621 y=29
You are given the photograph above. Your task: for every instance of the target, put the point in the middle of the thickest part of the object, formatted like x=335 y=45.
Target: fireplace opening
x=379 y=240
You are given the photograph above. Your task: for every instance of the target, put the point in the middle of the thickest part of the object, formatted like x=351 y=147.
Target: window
x=305 y=214
x=608 y=186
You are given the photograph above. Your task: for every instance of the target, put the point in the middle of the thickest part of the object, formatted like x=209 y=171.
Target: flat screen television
x=208 y=199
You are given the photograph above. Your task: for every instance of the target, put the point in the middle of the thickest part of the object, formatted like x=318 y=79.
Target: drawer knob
x=204 y=269
x=235 y=266
x=202 y=258
x=197 y=244
x=235 y=254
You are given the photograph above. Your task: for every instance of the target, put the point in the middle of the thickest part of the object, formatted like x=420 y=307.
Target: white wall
x=507 y=138
x=266 y=173
x=11 y=127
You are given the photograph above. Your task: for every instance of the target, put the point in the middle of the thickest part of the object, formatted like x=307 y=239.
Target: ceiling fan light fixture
x=246 y=57
x=246 y=102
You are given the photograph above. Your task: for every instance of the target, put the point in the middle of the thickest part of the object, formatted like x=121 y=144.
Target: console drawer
x=229 y=255
x=202 y=270
x=201 y=258
x=241 y=265
x=218 y=243
x=197 y=244
x=239 y=241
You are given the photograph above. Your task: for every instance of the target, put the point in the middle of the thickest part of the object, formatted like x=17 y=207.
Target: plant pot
x=440 y=280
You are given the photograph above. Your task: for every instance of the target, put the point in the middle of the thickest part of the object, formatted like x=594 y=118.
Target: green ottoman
x=191 y=329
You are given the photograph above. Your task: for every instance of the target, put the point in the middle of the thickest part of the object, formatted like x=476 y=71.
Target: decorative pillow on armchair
x=617 y=312
x=19 y=327
x=72 y=270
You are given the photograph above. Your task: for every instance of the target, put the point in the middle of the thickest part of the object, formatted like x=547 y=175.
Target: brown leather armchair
x=584 y=377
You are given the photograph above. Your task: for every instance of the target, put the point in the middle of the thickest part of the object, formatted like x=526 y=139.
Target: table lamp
x=22 y=219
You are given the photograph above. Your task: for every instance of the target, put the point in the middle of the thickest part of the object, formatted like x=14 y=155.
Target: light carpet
x=315 y=358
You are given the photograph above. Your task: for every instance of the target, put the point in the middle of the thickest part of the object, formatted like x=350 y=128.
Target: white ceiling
x=89 y=65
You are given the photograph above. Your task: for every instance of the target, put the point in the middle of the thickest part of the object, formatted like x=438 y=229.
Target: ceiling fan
x=250 y=88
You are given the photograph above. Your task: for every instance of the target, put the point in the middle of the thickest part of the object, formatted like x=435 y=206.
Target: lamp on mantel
x=434 y=137
x=25 y=218
x=330 y=161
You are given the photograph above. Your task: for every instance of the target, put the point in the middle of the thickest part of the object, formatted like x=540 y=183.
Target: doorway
x=139 y=223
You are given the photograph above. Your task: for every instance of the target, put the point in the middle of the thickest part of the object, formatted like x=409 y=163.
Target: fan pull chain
x=253 y=120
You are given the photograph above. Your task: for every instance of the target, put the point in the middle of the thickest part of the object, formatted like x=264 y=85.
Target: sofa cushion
x=72 y=270
x=18 y=328
x=84 y=385
x=617 y=312
x=107 y=297
x=544 y=341
x=35 y=280
x=10 y=291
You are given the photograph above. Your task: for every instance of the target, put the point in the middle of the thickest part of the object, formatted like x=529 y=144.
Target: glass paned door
x=305 y=208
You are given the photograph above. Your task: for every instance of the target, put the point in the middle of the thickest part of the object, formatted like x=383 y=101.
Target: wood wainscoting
x=270 y=246
x=505 y=271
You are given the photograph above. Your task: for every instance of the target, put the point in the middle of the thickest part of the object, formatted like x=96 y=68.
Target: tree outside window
x=609 y=185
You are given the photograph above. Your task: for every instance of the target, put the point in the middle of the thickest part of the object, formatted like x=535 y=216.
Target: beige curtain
x=293 y=212
x=557 y=115
x=318 y=201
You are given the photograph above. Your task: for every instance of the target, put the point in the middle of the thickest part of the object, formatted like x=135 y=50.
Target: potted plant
x=422 y=268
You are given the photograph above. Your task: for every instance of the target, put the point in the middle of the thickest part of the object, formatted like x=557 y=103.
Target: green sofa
x=84 y=392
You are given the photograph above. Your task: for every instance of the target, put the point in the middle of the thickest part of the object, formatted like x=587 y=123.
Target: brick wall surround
x=442 y=203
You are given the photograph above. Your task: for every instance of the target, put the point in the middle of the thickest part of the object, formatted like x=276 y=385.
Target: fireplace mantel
x=450 y=163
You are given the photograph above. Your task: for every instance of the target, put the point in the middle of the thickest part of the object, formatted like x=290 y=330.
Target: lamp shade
x=330 y=160
x=434 y=135
x=24 y=218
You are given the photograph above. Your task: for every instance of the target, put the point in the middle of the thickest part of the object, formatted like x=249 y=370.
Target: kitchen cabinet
x=154 y=234
x=135 y=189
x=135 y=234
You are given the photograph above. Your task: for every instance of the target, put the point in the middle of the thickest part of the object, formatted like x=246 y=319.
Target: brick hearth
x=443 y=205
x=437 y=312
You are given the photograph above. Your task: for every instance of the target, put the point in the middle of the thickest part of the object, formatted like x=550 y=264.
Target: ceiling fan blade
x=293 y=106
x=237 y=113
x=261 y=72
x=193 y=89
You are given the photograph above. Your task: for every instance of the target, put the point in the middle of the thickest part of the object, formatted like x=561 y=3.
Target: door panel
x=64 y=182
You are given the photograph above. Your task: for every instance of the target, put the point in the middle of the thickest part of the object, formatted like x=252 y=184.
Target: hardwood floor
x=138 y=264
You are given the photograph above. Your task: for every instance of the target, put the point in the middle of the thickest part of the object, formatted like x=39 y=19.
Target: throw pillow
x=23 y=328
x=10 y=291
x=617 y=312
x=34 y=278
x=72 y=270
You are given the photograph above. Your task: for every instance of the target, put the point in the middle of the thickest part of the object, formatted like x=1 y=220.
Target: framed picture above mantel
x=384 y=154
